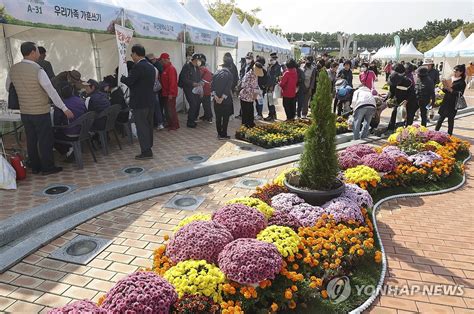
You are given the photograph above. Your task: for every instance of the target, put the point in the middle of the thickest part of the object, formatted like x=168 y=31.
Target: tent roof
x=196 y=9
x=233 y=26
x=410 y=51
x=262 y=39
x=446 y=40
x=246 y=26
x=451 y=47
x=466 y=48
x=365 y=52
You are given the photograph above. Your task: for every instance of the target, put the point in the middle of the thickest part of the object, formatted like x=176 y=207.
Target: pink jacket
x=368 y=78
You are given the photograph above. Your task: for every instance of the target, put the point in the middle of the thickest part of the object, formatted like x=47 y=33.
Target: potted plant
x=316 y=181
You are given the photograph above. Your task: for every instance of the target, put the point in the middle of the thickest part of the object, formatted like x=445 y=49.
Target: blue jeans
x=362 y=115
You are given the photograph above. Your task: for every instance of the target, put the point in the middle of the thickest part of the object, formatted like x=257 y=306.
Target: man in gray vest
x=34 y=90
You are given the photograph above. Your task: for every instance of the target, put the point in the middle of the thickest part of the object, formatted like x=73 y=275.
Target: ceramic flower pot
x=316 y=197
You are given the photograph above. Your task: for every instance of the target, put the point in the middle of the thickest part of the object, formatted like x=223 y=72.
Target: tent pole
x=122 y=17
x=8 y=48
x=96 y=56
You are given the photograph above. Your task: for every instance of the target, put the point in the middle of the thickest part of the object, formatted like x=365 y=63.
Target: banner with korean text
x=124 y=38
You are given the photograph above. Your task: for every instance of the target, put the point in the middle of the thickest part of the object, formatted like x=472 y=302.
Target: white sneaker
x=303 y=117
x=258 y=117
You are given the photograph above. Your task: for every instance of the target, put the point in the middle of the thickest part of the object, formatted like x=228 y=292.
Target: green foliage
x=319 y=165
x=431 y=30
x=221 y=10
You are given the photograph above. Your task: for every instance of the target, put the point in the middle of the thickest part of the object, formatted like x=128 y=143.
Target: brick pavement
x=428 y=240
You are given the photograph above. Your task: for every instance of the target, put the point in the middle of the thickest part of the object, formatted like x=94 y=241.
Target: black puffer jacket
x=448 y=106
x=401 y=88
x=424 y=87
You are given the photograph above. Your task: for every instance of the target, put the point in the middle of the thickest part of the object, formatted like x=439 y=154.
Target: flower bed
x=281 y=133
x=274 y=252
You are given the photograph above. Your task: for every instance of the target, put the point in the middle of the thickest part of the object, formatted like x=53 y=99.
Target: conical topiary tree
x=318 y=164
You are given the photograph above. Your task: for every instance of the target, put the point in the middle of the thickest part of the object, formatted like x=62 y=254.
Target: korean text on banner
x=124 y=37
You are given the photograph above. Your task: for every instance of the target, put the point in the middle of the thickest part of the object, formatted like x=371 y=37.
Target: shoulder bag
x=460 y=102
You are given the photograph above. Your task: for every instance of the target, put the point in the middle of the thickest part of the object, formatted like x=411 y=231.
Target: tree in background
x=221 y=11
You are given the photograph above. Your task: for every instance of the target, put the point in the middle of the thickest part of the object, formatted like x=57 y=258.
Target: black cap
x=196 y=56
x=249 y=55
x=274 y=55
x=92 y=82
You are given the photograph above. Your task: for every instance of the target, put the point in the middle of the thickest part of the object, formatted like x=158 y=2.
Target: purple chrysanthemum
x=199 y=240
x=358 y=195
x=348 y=160
x=140 y=292
x=379 y=162
x=426 y=157
x=343 y=210
x=394 y=152
x=307 y=214
x=285 y=201
x=437 y=136
x=361 y=149
x=82 y=306
x=281 y=218
x=250 y=261
x=242 y=221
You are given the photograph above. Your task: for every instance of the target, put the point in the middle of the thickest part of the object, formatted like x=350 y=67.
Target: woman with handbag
x=453 y=99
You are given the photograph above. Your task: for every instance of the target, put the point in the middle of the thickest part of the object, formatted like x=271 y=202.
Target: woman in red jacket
x=169 y=91
x=288 y=85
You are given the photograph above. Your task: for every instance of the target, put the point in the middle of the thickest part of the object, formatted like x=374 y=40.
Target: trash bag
x=7 y=175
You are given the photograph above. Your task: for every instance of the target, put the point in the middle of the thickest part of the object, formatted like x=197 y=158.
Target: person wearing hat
x=288 y=84
x=34 y=90
x=432 y=72
x=248 y=65
x=453 y=89
x=96 y=101
x=205 y=100
x=249 y=93
x=189 y=81
x=141 y=82
x=72 y=77
x=425 y=94
x=155 y=61
x=169 y=91
x=274 y=73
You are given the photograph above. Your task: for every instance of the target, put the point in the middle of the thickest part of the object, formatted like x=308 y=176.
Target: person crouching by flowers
x=453 y=89
x=288 y=84
x=249 y=93
x=363 y=104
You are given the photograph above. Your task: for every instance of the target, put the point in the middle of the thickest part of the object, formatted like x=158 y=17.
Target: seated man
x=72 y=77
x=109 y=86
x=77 y=106
x=96 y=101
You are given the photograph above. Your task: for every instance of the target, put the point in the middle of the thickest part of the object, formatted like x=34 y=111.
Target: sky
x=357 y=16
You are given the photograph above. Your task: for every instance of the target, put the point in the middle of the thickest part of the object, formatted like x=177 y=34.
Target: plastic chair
x=126 y=126
x=85 y=121
x=111 y=114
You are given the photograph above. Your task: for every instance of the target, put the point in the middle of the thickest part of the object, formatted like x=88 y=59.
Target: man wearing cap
x=169 y=91
x=189 y=81
x=34 y=90
x=141 y=81
x=156 y=62
x=96 y=101
x=72 y=77
x=274 y=72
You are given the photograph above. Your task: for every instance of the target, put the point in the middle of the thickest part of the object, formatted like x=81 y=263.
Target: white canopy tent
x=365 y=54
x=437 y=50
x=246 y=40
x=228 y=40
x=409 y=52
x=466 y=48
x=448 y=54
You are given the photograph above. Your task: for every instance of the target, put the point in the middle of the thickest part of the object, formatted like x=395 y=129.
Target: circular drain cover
x=58 y=189
x=185 y=202
x=133 y=170
x=82 y=247
x=195 y=158
x=251 y=182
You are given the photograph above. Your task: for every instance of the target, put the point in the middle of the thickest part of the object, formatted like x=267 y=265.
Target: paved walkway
x=428 y=240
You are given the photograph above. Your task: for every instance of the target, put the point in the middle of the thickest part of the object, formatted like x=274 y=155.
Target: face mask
x=363 y=69
x=248 y=61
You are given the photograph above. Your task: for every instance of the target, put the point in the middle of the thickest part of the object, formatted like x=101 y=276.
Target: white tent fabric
x=245 y=39
x=365 y=53
x=410 y=52
x=466 y=48
x=269 y=46
x=450 y=49
x=256 y=39
x=438 y=48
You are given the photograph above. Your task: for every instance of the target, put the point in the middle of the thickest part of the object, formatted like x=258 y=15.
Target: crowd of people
x=152 y=88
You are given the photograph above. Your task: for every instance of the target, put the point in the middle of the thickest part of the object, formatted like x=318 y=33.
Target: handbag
x=13 y=102
x=460 y=102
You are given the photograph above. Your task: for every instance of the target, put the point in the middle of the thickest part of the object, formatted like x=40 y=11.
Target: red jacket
x=169 y=81
x=206 y=75
x=288 y=83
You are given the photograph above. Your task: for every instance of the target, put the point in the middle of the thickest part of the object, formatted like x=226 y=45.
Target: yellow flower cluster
x=282 y=176
x=434 y=144
x=196 y=277
x=190 y=219
x=363 y=176
x=284 y=238
x=259 y=205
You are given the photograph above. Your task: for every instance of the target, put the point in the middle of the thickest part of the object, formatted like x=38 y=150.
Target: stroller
x=343 y=100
